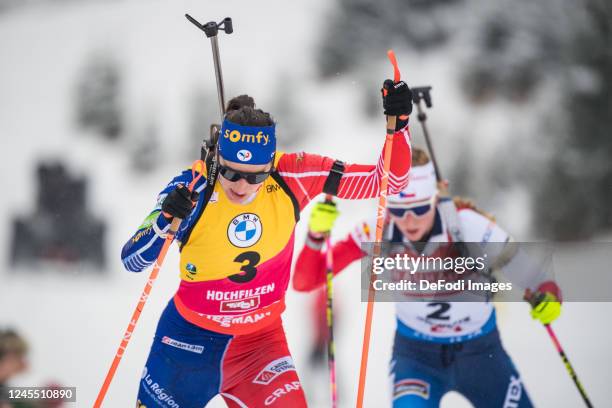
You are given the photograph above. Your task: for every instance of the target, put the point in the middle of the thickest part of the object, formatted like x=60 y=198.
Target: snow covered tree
x=575 y=199
x=358 y=28
x=145 y=149
x=98 y=98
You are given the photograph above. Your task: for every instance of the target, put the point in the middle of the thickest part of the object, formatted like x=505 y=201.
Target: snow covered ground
x=74 y=319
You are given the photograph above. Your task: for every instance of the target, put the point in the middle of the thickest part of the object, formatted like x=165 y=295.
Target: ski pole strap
x=212 y=174
x=333 y=179
x=209 y=145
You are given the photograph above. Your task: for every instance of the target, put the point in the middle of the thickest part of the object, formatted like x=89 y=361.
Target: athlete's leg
x=418 y=375
x=487 y=377
x=258 y=371
x=184 y=365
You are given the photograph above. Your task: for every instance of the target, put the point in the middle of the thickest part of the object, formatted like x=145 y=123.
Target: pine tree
x=98 y=99
x=575 y=201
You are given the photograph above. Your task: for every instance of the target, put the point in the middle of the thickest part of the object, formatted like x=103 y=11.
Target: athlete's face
x=415 y=227
x=240 y=191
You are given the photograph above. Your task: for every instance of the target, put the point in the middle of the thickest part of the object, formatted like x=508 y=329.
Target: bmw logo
x=244 y=230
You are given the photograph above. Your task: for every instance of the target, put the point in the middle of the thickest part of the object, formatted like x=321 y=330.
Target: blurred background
x=103 y=102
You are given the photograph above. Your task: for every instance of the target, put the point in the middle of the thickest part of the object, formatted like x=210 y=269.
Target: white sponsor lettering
x=513 y=395
x=158 y=392
x=220 y=295
x=242 y=305
x=283 y=390
x=228 y=321
x=183 y=346
x=274 y=369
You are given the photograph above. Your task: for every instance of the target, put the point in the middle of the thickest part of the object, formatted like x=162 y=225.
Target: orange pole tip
x=396 y=71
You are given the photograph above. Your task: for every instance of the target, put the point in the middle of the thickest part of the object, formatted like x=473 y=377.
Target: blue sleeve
x=142 y=249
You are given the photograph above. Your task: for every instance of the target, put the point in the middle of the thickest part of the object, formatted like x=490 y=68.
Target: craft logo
x=235 y=136
x=183 y=346
x=411 y=387
x=273 y=370
x=244 y=230
x=240 y=305
x=282 y=390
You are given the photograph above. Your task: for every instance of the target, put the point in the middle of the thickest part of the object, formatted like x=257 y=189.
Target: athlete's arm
x=305 y=173
x=143 y=247
x=310 y=265
x=505 y=255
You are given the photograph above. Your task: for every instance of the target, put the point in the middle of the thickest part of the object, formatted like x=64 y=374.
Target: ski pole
x=211 y=29
x=382 y=203
x=446 y=205
x=568 y=366
x=419 y=94
x=533 y=299
x=197 y=167
x=331 y=348
x=208 y=151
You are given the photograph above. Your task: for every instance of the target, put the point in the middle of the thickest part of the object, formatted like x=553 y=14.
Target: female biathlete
x=439 y=346
x=222 y=333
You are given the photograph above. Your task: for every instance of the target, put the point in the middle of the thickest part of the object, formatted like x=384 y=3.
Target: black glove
x=397 y=101
x=179 y=202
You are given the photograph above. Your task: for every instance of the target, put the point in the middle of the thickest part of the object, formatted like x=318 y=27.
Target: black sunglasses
x=235 y=175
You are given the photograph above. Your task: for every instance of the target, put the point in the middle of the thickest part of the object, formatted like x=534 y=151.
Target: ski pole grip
x=197 y=170
x=228 y=25
x=533 y=298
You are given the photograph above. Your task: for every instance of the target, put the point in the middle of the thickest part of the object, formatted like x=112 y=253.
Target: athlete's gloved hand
x=397 y=101
x=546 y=303
x=322 y=218
x=179 y=202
